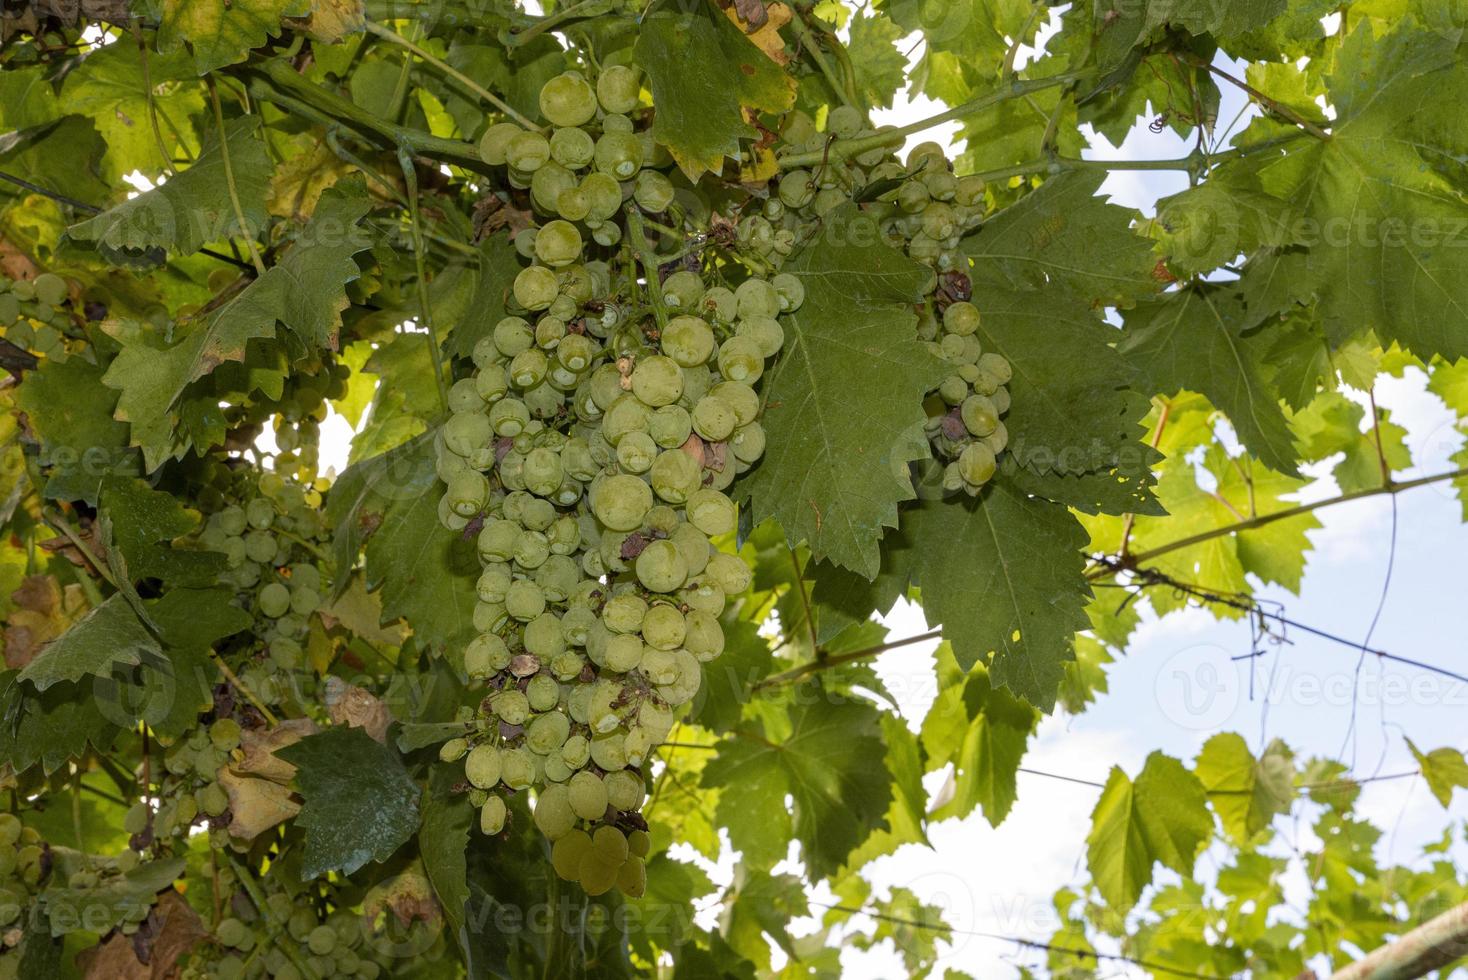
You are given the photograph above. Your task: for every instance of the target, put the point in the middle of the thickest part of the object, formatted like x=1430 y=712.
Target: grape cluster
x=289 y=934
x=192 y=789
x=273 y=532
x=22 y=866
x=590 y=455
x=35 y=315
x=925 y=210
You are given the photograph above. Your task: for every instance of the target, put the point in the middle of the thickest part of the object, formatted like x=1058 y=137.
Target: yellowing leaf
x=331 y=20
x=222 y=32
x=766 y=37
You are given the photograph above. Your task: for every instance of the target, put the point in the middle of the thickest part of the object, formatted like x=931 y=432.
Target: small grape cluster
x=23 y=861
x=273 y=532
x=925 y=210
x=193 y=790
x=590 y=455
x=248 y=945
x=35 y=314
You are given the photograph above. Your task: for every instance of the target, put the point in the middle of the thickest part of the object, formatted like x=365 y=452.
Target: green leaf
x=27 y=98
x=836 y=467
x=1444 y=770
x=907 y=818
x=1332 y=424
x=51 y=727
x=222 y=32
x=110 y=634
x=111 y=86
x=426 y=574
x=71 y=413
x=1193 y=339
x=1064 y=237
x=143 y=524
x=1247 y=793
x=880 y=68
x=494 y=271
x=830 y=766
x=1070 y=394
x=448 y=820
x=1123 y=25
x=700 y=117
x=305 y=290
x=192 y=208
x=1379 y=205
x=983 y=732
x=1161 y=817
x=359 y=805
x=728 y=682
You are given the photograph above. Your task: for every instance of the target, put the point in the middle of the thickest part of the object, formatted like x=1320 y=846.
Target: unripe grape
x=657 y=381
x=996 y=367
x=467 y=492
x=572 y=147
x=740 y=359
x=683 y=290
x=492 y=816
x=621 y=502
x=675 y=476
x=536 y=287
x=619 y=155
x=451 y=751
x=548 y=732
x=567 y=100
x=979 y=415
x=712 y=512
x=482 y=766
x=604 y=194
x=527 y=152
x=587 y=795
x=568 y=853
x=961 y=319
x=729 y=573
x=976 y=464
x=766 y=333
x=494 y=145
x=547 y=186
x=663 y=627
x=525 y=601
x=554 y=815
x=627 y=414
x=661 y=568
x=508 y=417
x=558 y=244
x=617 y=88
x=275 y=600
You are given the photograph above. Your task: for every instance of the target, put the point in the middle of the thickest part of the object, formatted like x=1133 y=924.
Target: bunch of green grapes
x=291 y=932
x=590 y=455
x=275 y=537
x=190 y=789
x=925 y=210
x=23 y=866
x=35 y=314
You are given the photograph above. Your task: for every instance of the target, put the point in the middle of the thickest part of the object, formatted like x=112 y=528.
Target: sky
x=1177 y=683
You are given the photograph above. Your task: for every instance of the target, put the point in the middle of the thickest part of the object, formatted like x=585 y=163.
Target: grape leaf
x=1332 y=424
x=700 y=117
x=192 y=208
x=1124 y=24
x=830 y=764
x=448 y=820
x=880 y=68
x=1379 y=202
x=907 y=818
x=50 y=727
x=1063 y=236
x=835 y=469
x=27 y=98
x=305 y=290
x=983 y=732
x=349 y=780
x=139 y=518
x=1193 y=339
x=1246 y=793
x=111 y=86
x=1161 y=817
x=426 y=574
x=222 y=32
x=71 y=413
x=108 y=635
x=1443 y=769
x=1072 y=391
x=1003 y=575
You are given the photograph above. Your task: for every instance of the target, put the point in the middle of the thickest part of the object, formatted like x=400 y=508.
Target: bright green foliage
x=653 y=411
x=1158 y=818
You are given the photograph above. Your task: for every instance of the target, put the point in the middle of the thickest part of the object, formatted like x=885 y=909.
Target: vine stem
x=239 y=685
x=1272 y=105
x=443 y=67
x=816 y=666
x=637 y=232
x=425 y=310
x=234 y=193
x=896 y=137
x=1390 y=488
x=551 y=22
x=811 y=45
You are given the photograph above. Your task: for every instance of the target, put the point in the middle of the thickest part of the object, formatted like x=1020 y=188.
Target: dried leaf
x=43 y=612
x=763 y=24
x=348 y=704
x=259 y=747
x=255 y=805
